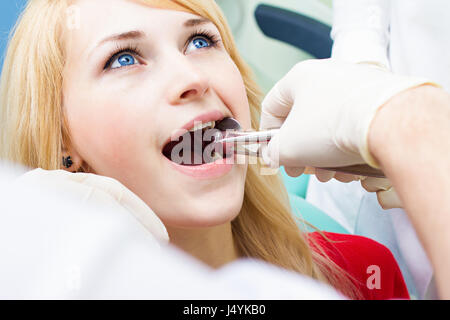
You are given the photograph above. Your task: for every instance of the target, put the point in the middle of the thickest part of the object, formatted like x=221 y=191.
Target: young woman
x=108 y=83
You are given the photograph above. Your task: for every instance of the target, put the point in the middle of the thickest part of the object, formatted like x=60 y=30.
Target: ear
x=72 y=164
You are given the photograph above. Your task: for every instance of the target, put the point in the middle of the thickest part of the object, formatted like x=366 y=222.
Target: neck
x=213 y=245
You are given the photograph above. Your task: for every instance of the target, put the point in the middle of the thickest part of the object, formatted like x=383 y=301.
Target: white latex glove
x=386 y=194
x=324 y=109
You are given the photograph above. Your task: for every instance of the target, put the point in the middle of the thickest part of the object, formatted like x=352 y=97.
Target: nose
x=188 y=83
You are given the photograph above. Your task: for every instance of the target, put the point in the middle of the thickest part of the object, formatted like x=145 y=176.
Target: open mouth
x=196 y=147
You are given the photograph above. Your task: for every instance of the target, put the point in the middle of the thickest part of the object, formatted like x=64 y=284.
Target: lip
x=215 y=115
x=206 y=171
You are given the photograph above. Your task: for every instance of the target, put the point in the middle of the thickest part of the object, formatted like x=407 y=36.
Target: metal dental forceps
x=249 y=144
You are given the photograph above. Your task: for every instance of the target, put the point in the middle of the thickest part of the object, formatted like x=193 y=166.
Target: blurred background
x=270 y=58
x=261 y=52
x=8 y=16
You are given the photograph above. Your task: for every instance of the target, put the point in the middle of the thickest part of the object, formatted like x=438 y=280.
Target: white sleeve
x=77 y=236
x=361 y=31
x=62 y=234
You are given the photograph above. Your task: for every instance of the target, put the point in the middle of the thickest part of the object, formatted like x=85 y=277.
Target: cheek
x=106 y=133
x=231 y=89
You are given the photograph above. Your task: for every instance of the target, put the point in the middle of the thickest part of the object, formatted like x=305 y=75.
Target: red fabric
x=358 y=255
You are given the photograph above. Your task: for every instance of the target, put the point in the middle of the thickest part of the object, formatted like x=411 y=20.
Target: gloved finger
x=310 y=170
x=269 y=121
x=276 y=106
x=376 y=184
x=270 y=156
x=324 y=175
x=389 y=199
x=346 y=177
x=294 y=172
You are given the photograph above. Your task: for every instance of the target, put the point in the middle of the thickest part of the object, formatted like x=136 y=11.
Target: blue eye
x=123 y=60
x=126 y=55
x=198 y=43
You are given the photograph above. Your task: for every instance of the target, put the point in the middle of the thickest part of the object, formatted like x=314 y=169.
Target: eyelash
x=211 y=37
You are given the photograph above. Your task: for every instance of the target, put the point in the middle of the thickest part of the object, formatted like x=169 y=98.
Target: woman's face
x=135 y=75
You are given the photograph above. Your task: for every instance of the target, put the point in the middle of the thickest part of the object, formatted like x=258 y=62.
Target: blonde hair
x=33 y=129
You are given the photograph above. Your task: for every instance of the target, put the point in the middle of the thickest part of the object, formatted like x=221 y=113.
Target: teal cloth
x=296 y=188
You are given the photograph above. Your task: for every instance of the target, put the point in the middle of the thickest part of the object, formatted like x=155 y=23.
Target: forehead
x=99 y=19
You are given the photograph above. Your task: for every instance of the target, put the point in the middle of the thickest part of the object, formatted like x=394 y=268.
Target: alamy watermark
x=374 y=280
x=198 y=147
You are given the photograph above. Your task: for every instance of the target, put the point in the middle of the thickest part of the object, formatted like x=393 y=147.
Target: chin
x=203 y=214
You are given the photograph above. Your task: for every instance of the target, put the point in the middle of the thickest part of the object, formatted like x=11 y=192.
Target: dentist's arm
x=409 y=139
x=334 y=114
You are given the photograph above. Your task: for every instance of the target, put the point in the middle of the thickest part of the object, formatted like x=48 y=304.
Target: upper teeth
x=200 y=126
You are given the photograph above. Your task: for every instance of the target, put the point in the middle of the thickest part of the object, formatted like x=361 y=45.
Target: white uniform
x=84 y=236
x=411 y=37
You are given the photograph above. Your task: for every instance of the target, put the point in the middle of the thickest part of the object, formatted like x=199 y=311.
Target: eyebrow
x=138 y=34
x=196 y=22
x=134 y=34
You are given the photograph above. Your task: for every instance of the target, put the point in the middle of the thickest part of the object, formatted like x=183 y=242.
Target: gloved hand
x=387 y=197
x=324 y=109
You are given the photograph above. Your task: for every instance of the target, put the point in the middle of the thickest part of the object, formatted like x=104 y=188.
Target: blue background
x=9 y=12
